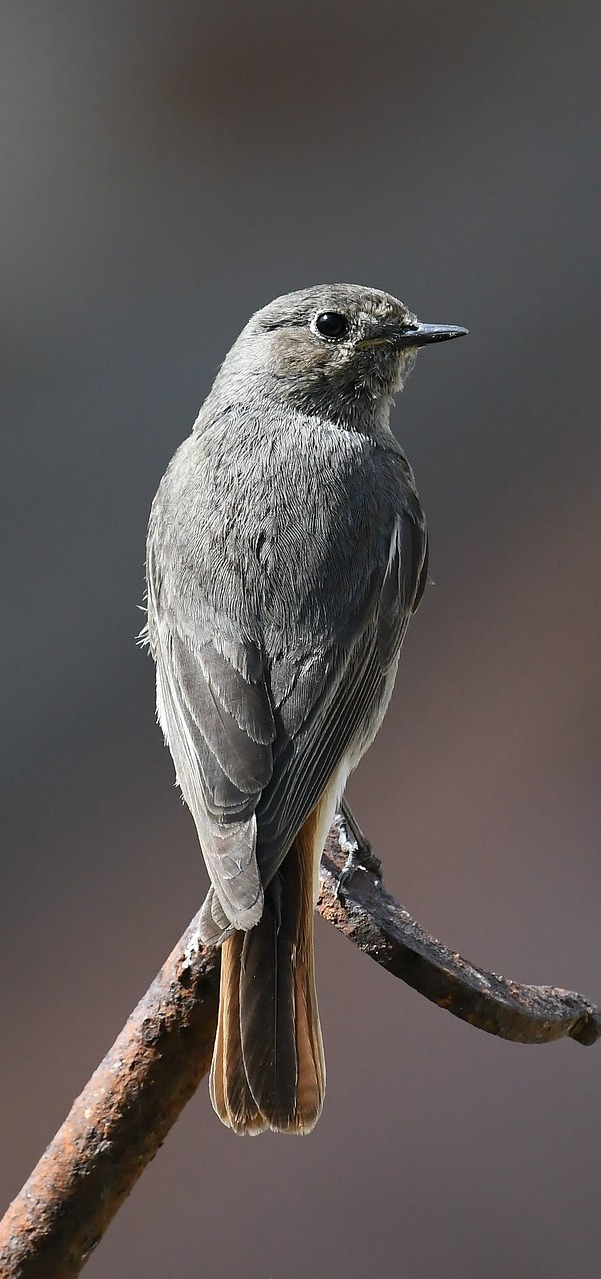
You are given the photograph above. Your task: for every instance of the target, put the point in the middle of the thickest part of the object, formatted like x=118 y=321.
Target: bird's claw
x=360 y=855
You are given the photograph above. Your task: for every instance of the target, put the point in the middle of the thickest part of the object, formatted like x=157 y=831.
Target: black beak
x=422 y=334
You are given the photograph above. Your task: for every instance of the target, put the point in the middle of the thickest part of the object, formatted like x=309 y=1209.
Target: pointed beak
x=422 y=334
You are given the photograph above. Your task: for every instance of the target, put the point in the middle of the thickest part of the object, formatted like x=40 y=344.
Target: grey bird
x=287 y=550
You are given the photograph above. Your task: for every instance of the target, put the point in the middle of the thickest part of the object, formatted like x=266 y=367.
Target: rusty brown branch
x=121 y=1118
x=118 y=1123
x=383 y=929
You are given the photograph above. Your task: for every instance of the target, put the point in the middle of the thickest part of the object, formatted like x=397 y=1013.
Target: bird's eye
x=331 y=324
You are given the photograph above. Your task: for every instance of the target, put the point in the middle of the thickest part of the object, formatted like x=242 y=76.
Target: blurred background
x=167 y=169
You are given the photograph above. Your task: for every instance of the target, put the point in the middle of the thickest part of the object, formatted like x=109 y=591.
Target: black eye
x=331 y=324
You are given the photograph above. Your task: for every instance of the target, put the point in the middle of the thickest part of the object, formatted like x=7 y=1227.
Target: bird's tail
x=268 y=1067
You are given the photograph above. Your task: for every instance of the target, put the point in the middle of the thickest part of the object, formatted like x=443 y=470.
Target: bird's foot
x=352 y=841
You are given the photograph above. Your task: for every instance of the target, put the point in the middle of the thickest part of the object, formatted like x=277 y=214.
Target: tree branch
x=134 y=1097
x=383 y=929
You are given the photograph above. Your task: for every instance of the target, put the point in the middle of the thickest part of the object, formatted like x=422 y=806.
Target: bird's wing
x=214 y=708
x=256 y=737
x=328 y=706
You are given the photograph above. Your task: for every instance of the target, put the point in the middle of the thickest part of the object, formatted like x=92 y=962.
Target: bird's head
x=334 y=349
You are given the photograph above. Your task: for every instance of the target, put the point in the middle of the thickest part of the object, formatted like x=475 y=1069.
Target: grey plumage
x=287 y=549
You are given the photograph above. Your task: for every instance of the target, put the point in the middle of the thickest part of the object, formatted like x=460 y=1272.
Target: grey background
x=166 y=169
